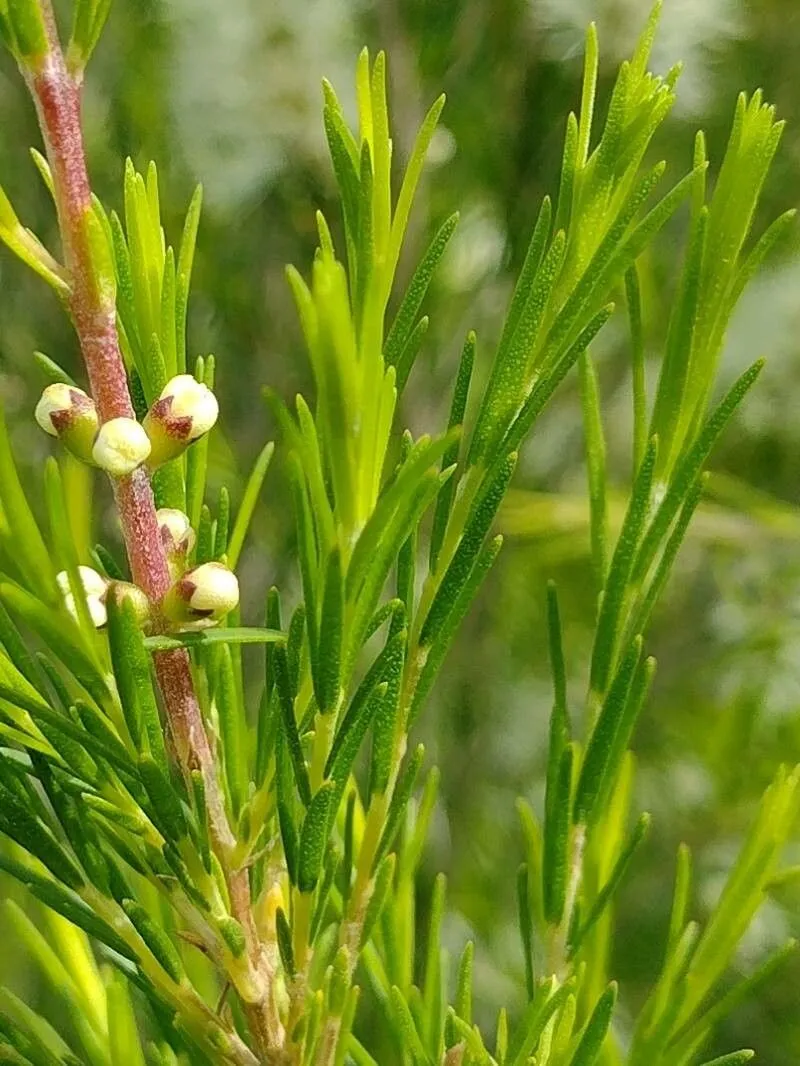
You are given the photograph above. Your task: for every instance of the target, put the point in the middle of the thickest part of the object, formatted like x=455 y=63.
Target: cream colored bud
x=124 y=591
x=66 y=412
x=56 y=401
x=95 y=606
x=216 y=589
x=177 y=537
x=176 y=530
x=191 y=399
x=94 y=584
x=185 y=410
x=202 y=596
x=95 y=587
x=121 y=446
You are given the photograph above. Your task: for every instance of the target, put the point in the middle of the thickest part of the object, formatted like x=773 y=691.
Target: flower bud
x=121 y=446
x=66 y=412
x=124 y=591
x=177 y=536
x=202 y=596
x=95 y=606
x=94 y=584
x=185 y=410
x=95 y=587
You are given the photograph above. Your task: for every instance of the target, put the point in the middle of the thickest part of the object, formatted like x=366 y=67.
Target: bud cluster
x=200 y=596
x=185 y=410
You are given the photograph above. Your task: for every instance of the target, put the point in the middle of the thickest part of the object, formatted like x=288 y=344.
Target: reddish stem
x=137 y=515
x=57 y=95
x=191 y=741
x=58 y=103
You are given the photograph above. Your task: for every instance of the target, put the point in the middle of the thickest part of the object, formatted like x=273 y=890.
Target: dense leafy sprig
x=250 y=872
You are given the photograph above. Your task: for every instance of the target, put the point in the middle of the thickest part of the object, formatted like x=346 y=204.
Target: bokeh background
x=229 y=95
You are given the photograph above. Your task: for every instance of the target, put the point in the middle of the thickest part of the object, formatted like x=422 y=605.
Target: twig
x=57 y=96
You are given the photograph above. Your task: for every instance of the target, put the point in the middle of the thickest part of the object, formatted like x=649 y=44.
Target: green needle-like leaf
x=382 y=887
x=401 y=329
x=457 y=409
x=595 y=465
x=609 y=623
x=601 y=748
x=248 y=505
x=30 y=551
x=736 y=1058
x=542 y=1008
x=525 y=926
x=155 y=938
x=234 y=731
x=329 y=659
x=588 y=1050
x=400 y=800
x=555 y=859
x=408 y=1029
x=223 y=635
x=608 y=891
x=284 y=688
x=314 y=837
x=689 y=469
x=134 y=679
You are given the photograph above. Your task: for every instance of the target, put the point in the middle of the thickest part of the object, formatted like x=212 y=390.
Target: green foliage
x=255 y=902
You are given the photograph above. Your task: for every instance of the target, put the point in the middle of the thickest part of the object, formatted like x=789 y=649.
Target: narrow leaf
x=314 y=837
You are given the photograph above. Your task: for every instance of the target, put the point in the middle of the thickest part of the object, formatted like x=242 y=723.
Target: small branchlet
x=171 y=820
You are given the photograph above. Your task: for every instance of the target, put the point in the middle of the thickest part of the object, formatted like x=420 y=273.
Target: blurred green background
x=229 y=95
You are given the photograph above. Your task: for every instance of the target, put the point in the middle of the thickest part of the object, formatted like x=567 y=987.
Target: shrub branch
x=56 y=92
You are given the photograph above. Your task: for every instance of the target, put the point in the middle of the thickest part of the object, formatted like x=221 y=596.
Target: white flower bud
x=185 y=410
x=121 y=446
x=216 y=589
x=202 y=596
x=56 y=400
x=95 y=587
x=177 y=537
x=191 y=399
x=124 y=591
x=95 y=606
x=66 y=412
x=176 y=530
x=94 y=584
